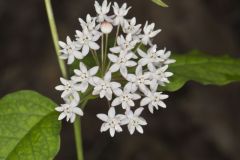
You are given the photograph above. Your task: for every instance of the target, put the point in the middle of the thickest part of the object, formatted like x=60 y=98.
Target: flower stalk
x=53 y=28
x=77 y=123
x=78 y=134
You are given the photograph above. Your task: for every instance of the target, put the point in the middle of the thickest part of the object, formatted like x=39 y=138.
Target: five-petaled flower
x=84 y=76
x=112 y=122
x=104 y=87
x=135 y=122
x=125 y=97
x=69 y=111
x=70 y=50
x=154 y=99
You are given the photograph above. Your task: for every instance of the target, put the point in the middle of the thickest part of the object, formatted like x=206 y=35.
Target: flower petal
x=115 y=67
x=82 y=67
x=85 y=50
x=93 y=71
x=139 y=129
x=138 y=111
x=131 y=128
x=111 y=112
x=108 y=76
x=102 y=117
x=62 y=116
x=116 y=102
x=93 y=45
x=112 y=132
x=113 y=58
x=145 y=101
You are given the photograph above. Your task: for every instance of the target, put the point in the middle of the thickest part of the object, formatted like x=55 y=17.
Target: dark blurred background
x=200 y=123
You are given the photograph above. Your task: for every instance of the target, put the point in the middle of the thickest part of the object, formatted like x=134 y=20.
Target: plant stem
x=77 y=124
x=105 y=52
x=102 y=52
x=117 y=32
x=115 y=42
x=55 y=36
x=78 y=138
x=95 y=57
x=78 y=135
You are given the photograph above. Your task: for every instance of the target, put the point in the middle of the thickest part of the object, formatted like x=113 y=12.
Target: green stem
x=77 y=124
x=78 y=138
x=78 y=135
x=105 y=52
x=117 y=32
x=95 y=58
x=102 y=52
x=55 y=36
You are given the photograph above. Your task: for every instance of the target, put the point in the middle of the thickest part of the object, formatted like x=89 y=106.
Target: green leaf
x=203 y=68
x=29 y=129
x=160 y=3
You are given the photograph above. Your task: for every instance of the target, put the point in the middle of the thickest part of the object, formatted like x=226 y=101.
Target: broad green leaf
x=160 y=3
x=29 y=129
x=203 y=68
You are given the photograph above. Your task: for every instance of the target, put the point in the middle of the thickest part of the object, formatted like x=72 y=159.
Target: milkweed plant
x=111 y=57
x=141 y=72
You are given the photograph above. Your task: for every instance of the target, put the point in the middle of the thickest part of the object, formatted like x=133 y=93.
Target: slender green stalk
x=78 y=135
x=109 y=64
x=102 y=52
x=55 y=36
x=105 y=52
x=78 y=138
x=118 y=28
x=77 y=124
x=115 y=42
x=95 y=58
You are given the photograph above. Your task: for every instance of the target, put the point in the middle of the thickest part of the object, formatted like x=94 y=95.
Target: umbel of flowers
x=132 y=69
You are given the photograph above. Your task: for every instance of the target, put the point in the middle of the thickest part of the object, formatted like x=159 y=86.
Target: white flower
x=69 y=88
x=130 y=27
x=69 y=111
x=86 y=40
x=112 y=122
x=149 y=33
x=124 y=44
x=120 y=13
x=139 y=80
x=121 y=62
x=84 y=76
x=104 y=87
x=90 y=25
x=154 y=99
x=151 y=56
x=125 y=97
x=160 y=75
x=102 y=11
x=165 y=56
x=135 y=121
x=70 y=50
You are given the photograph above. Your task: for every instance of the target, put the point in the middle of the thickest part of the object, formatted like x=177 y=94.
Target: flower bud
x=106 y=27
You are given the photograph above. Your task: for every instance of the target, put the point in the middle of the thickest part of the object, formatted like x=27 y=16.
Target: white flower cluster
x=130 y=70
